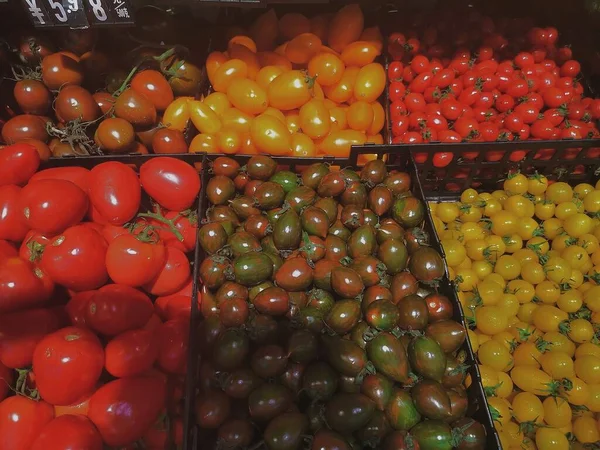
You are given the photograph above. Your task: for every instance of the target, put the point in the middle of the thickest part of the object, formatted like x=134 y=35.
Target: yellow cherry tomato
x=455 y=252
x=586 y=430
x=359 y=53
x=500 y=409
x=504 y=223
x=338 y=143
x=508 y=267
x=266 y=75
x=591 y=298
x=516 y=184
x=510 y=304
x=576 y=391
x=218 y=102
x=490 y=320
x=292 y=121
x=247 y=96
x=553 y=228
x=591 y=202
x=513 y=243
x=593 y=400
x=551 y=439
x=378 y=119
x=243 y=53
x=482 y=268
x=578 y=224
x=505 y=385
x=343 y=90
x=547 y=291
x=570 y=301
x=527 y=407
x=327 y=68
x=177 y=114
x=557 y=412
x=580 y=331
x=228 y=141
x=557 y=364
x=204 y=143
x=227 y=73
x=466 y=279
x=370 y=82
x=589 y=243
x=544 y=210
x=565 y=209
x=303 y=146
x=523 y=290
x=275 y=113
x=345 y=27
x=531 y=379
x=360 y=116
x=525 y=313
x=248 y=147
x=519 y=206
x=558 y=342
x=588 y=348
x=559 y=192
x=290 y=90
x=270 y=135
x=314 y=119
x=243 y=40
x=237 y=120
x=537 y=184
x=527 y=354
x=204 y=119
x=489 y=292
x=587 y=367
x=533 y=272
x=213 y=61
x=495 y=355
x=557 y=270
x=548 y=318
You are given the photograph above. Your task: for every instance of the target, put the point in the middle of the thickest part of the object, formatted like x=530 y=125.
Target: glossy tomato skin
x=115 y=192
x=77 y=175
x=73 y=432
x=25 y=126
x=59 y=69
x=173 y=183
x=75 y=259
x=77 y=306
x=32 y=96
x=18 y=163
x=173 y=337
x=74 y=102
x=22 y=285
x=33 y=245
x=177 y=305
x=51 y=206
x=153 y=85
x=116 y=308
x=21 y=421
x=67 y=365
x=136 y=109
x=187 y=225
x=131 y=353
x=12 y=223
x=167 y=141
x=172 y=276
x=124 y=409
x=133 y=262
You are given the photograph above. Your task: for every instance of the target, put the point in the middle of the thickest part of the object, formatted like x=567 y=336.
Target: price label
x=79 y=13
x=110 y=12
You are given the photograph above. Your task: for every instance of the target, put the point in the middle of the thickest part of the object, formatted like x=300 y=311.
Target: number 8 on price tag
x=98 y=9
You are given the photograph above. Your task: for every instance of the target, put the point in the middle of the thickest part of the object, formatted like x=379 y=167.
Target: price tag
x=75 y=13
x=78 y=13
x=110 y=12
x=37 y=13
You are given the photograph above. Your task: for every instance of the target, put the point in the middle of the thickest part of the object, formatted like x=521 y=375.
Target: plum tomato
x=76 y=175
x=167 y=140
x=172 y=276
x=61 y=69
x=174 y=184
x=114 y=135
x=134 y=260
x=153 y=85
x=68 y=431
x=13 y=226
x=24 y=126
x=131 y=353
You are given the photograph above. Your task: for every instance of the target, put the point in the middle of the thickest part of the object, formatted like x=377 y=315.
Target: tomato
x=270 y=135
x=13 y=226
x=32 y=96
x=116 y=308
x=176 y=305
x=104 y=100
x=115 y=135
x=177 y=114
x=227 y=73
x=22 y=285
x=345 y=27
x=314 y=119
x=290 y=90
x=18 y=163
x=124 y=409
x=173 y=183
x=466 y=127
x=75 y=259
x=25 y=126
x=21 y=331
x=169 y=141
x=302 y=48
x=115 y=192
x=74 y=102
x=61 y=69
x=21 y=421
x=203 y=117
x=327 y=68
x=442 y=159
x=370 y=82
x=153 y=85
x=338 y=143
x=172 y=276
x=395 y=69
x=67 y=365
x=77 y=306
x=570 y=68
x=551 y=439
x=7 y=250
x=303 y=146
x=134 y=260
x=131 y=353
x=359 y=54
x=173 y=338
x=68 y=431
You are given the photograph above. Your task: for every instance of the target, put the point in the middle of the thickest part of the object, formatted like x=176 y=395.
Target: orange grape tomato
x=302 y=48
x=238 y=51
x=248 y=147
x=337 y=117
x=237 y=120
x=314 y=119
x=270 y=135
x=268 y=74
x=370 y=82
x=177 y=114
x=275 y=113
x=280 y=50
x=303 y=146
x=360 y=115
x=318 y=26
x=292 y=121
x=229 y=141
x=378 y=118
x=247 y=96
x=327 y=67
x=213 y=62
x=242 y=40
x=264 y=30
x=204 y=143
x=345 y=27
x=290 y=90
x=374 y=139
x=204 y=119
x=293 y=24
x=342 y=91
x=227 y=73
x=374 y=36
x=318 y=91
x=338 y=143
x=274 y=59
x=359 y=53
x=218 y=102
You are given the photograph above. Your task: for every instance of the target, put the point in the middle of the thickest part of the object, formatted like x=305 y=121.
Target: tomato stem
x=170 y=223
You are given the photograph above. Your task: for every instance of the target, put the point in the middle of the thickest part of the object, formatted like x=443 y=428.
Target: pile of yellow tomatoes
x=294 y=86
x=525 y=261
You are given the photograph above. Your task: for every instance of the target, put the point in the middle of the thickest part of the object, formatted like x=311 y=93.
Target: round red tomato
x=75 y=259
x=124 y=409
x=131 y=353
x=134 y=260
x=542 y=129
x=450 y=108
x=414 y=102
x=554 y=97
x=68 y=432
x=25 y=126
x=115 y=192
x=153 y=85
x=466 y=127
x=75 y=103
x=173 y=183
x=51 y=206
x=173 y=337
x=442 y=159
x=32 y=96
x=116 y=308
x=395 y=71
x=397 y=90
x=13 y=226
x=21 y=421
x=570 y=69
x=172 y=276
x=22 y=285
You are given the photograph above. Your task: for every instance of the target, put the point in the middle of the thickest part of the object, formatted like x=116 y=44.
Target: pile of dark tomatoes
x=462 y=76
x=323 y=328
x=95 y=300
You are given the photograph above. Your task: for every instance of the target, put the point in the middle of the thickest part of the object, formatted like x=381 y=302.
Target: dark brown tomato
x=320 y=299
x=187 y=77
x=320 y=381
x=241 y=382
x=375 y=431
x=439 y=307
x=60 y=69
x=348 y=385
x=292 y=377
x=114 y=80
x=212 y=271
x=399 y=440
x=472 y=434
x=415 y=238
x=347 y=413
x=343 y=316
x=378 y=388
x=24 y=126
x=335 y=248
x=352 y=216
x=79 y=40
x=234 y=312
x=408 y=211
x=170 y=141
x=212 y=237
x=223 y=165
x=220 y=190
x=298 y=301
x=255 y=290
x=300 y=198
x=403 y=284
x=315 y=221
x=261 y=167
x=362 y=242
x=244 y=207
x=42 y=148
x=448 y=333
x=136 y=109
x=370 y=217
x=114 y=135
x=331 y=185
x=346 y=356
x=370 y=269
x=273 y=301
x=212 y=409
x=326 y=439
x=354 y=194
x=431 y=400
x=269 y=361
x=268 y=401
x=286 y=431
x=146 y=136
x=398 y=182
x=380 y=200
x=240 y=181
x=294 y=275
x=258 y=226
x=251 y=187
x=208 y=307
x=374 y=172
x=394 y=255
x=302 y=346
x=222 y=214
x=376 y=292
x=426 y=264
x=339 y=230
x=231 y=290
x=311 y=176
x=208 y=333
x=61 y=149
x=455 y=373
x=32 y=96
x=74 y=102
x=413 y=313
x=389 y=229
x=263 y=329
x=236 y=433
x=330 y=206
x=153 y=85
x=382 y=315
x=322 y=273
x=242 y=242
x=346 y=282
x=231 y=349
x=269 y=195
x=459 y=403
x=313 y=248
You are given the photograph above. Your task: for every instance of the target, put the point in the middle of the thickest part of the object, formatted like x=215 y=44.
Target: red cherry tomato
x=395 y=71
x=68 y=431
x=466 y=127
x=450 y=108
x=13 y=226
x=131 y=353
x=173 y=344
x=397 y=91
x=442 y=159
x=554 y=97
x=18 y=163
x=542 y=129
x=21 y=421
x=134 y=261
x=173 y=183
x=570 y=69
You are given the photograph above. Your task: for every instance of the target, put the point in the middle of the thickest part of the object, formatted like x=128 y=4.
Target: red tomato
x=554 y=97
x=22 y=285
x=131 y=353
x=67 y=364
x=115 y=192
x=489 y=132
x=172 y=276
x=416 y=120
x=173 y=337
x=513 y=122
x=570 y=69
x=111 y=232
x=75 y=259
x=524 y=59
x=421 y=82
x=419 y=64
x=442 y=159
x=116 y=308
x=7 y=250
x=153 y=323
x=395 y=71
x=397 y=90
x=412 y=137
x=21 y=421
x=68 y=432
x=51 y=206
x=398 y=108
x=185 y=224
x=414 y=102
x=450 y=108
x=542 y=129
x=33 y=246
x=134 y=260
x=466 y=127
x=469 y=96
x=595 y=109
x=449 y=136
x=124 y=409
x=18 y=162
x=6 y=380
x=527 y=112
x=177 y=305
x=77 y=175
x=77 y=306
x=517 y=88
x=153 y=85
x=443 y=78
x=173 y=183
x=555 y=116
x=13 y=226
